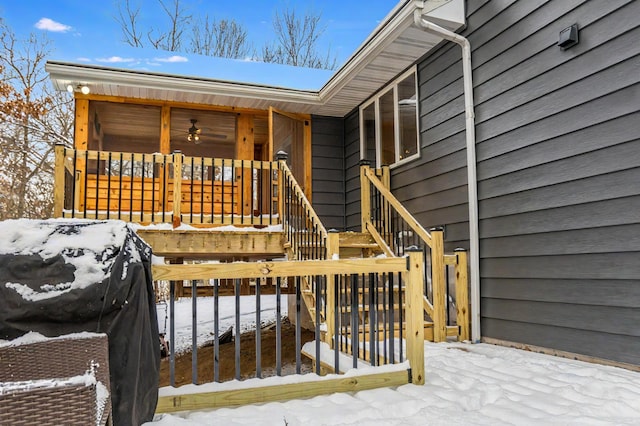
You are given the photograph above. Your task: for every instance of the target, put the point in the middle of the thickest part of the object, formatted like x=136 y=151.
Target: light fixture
x=194 y=132
x=82 y=88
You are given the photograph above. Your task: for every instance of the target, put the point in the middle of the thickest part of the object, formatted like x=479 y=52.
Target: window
x=389 y=123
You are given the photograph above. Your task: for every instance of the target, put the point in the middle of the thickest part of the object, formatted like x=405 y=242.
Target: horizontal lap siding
x=352 y=173
x=558 y=151
x=327 y=149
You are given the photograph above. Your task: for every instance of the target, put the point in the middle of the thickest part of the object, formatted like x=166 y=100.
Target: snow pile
x=465 y=385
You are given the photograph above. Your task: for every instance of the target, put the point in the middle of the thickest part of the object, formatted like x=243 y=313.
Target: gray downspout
x=472 y=183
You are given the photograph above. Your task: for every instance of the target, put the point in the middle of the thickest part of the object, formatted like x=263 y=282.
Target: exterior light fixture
x=82 y=88
x=194 y=132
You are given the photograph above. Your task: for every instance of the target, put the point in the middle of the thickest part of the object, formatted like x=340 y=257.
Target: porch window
x=389 y=123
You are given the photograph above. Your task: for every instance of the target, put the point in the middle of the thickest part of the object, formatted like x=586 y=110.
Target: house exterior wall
x=327 y=148
x=558 y=158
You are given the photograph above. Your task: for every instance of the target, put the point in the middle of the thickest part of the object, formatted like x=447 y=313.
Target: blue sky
x=86 y=31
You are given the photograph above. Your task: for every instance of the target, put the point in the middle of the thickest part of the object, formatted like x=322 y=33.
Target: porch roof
x=392 y=47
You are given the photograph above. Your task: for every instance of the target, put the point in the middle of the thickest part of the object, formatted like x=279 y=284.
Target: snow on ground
x=205 y=317
x=466 y=384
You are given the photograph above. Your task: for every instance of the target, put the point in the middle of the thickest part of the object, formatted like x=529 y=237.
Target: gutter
x=472 y=182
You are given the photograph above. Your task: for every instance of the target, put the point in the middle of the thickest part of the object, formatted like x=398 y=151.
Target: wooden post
x=58 y=181
x=415 y=316
x=165 y=149
x=333 y=245
x=439 y=283
x=333 y=251
x=81 y=142
x=365 y=196
x=245 y=150
x=177 y=187
x=462 y=295
x=386 y=177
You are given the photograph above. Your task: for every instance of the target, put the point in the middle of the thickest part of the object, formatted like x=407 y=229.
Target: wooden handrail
x=300 y=193
x=402 y=211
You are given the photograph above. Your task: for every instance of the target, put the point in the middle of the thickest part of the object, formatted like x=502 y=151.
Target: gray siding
x=327 y=148
x=352 y=174
x=558 y=157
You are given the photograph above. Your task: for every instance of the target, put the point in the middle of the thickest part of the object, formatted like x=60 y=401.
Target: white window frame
x=375 y=100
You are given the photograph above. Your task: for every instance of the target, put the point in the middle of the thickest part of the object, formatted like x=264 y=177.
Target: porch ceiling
x=395 y=45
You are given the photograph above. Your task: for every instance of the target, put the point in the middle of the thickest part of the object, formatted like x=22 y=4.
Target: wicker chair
x=58 y=361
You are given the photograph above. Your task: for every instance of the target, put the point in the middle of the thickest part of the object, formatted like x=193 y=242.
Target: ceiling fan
x=195 y=134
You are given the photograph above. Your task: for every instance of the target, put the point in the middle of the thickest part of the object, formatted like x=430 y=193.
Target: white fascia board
x=65 y=73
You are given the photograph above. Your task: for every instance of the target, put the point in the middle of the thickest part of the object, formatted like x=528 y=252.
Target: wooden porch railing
x=159 y=188
x=396 y=230
x=377 y=346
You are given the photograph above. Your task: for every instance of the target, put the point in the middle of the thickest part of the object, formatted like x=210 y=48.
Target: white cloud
x=174 y=58
x=47 y=24
x=83 y=59
x=115 y=60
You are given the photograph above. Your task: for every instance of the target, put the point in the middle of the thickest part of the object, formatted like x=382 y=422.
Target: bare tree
x=128 y=20
x=296 y=36
x=224 y=38
x=32 y=120
x=297 y=41
x=170 y=38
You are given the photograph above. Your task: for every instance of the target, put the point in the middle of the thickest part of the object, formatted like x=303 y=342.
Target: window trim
x=375 y=101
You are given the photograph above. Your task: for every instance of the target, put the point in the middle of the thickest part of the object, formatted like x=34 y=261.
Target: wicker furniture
x=62 y=381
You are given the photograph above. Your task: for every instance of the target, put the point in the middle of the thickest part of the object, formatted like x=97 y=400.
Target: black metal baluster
x=201 y=189
x=233 y=185
x=372 y=324
x=86 y=174
x=242 y=191
x=317 y=330
x=97 y=183
x=216 y=330
x=153 y=187
x=120 y=187
x=164 y=196
x=355 y=326
x=298 y=331
x=278 y=328
x=191 y=178
x=222 y=192
x=336 y=324
x=237 y=330
x=400 y=314
x=213 y=193
x=258 y=332
x=131 y=190
x=142 y=195
x=391 y=320
x=109 y=187
x=194 y=332
x=172 y=333
x=73 y=183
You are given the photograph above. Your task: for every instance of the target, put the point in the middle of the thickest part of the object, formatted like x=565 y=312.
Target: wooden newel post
x=177 y=188
x=438 y=280
x=333 y=250
x=58 y=181
x=281 y=158
x=415 y=315
x=463 y=318
x=365 y=195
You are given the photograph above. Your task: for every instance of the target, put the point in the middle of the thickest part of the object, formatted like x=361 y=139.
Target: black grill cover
x=46 y=273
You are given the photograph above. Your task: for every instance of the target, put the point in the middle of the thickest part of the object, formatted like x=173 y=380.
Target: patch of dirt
x=247 y=357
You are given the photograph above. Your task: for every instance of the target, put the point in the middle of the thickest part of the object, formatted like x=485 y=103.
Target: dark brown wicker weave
x=60 y=358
